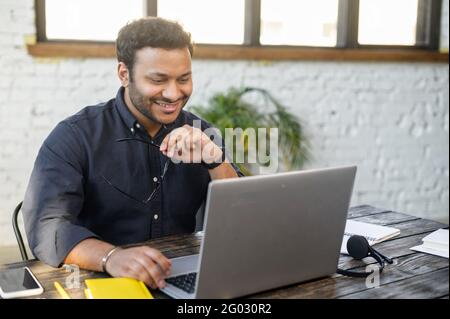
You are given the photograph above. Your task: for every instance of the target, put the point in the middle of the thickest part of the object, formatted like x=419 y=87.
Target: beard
x=143 y=104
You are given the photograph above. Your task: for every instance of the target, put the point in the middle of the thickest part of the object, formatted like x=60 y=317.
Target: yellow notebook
x=116 y=288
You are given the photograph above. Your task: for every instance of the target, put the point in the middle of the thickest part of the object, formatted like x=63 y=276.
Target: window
x=209 y=21
x=83 y=19
x=251 y=26
x=387 y=22
x=307 y=23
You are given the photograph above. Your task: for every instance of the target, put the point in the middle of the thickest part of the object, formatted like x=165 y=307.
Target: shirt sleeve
x=55 y=196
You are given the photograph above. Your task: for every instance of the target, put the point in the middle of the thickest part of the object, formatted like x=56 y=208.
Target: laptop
x=264 y=232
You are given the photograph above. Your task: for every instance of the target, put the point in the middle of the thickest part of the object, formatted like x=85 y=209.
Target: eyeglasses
x=166 y=165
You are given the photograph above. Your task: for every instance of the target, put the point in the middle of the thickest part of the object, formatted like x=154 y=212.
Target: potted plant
x=230 y=110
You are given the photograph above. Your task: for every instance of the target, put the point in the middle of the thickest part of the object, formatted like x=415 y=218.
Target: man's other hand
x=142 y=263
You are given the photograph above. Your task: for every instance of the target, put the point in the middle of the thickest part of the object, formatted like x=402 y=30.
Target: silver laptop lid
x=269 y=231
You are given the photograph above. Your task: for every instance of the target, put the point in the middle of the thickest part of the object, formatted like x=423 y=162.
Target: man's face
x=161 y=83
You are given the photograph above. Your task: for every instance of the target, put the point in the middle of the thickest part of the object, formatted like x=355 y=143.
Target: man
x=111 y=174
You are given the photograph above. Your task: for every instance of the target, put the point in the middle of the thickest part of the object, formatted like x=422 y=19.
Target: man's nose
x=172 y=92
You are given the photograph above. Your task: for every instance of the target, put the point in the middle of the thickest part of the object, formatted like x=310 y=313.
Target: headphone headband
x=358 y=247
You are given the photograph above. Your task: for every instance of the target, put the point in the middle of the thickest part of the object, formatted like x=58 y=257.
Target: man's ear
x=123 y=73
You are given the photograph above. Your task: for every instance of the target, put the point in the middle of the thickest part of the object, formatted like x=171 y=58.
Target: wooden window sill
x=230 y=52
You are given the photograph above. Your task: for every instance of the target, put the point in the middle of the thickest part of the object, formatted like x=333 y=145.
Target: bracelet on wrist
x=107 y=256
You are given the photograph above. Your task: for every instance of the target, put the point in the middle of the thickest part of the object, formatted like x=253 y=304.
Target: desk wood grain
x=413 y=274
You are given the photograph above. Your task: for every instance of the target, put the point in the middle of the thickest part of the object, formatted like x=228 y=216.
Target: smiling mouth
x=169 y=107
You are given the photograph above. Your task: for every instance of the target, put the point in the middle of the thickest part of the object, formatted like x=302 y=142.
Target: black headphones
x=359 y=248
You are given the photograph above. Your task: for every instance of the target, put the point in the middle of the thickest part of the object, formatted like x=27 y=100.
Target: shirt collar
x=125 y=114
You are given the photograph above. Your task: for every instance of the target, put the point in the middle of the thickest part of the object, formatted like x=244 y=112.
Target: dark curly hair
x=150 y=32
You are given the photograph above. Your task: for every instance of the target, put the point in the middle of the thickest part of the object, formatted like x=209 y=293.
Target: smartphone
x=19 y=282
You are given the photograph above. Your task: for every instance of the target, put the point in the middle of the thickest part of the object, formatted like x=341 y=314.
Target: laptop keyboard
x=184 y=282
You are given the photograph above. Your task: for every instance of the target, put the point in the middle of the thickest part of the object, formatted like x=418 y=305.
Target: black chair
x=23 y=250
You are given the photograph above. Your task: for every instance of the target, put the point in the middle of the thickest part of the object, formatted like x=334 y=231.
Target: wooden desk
x=413 y=275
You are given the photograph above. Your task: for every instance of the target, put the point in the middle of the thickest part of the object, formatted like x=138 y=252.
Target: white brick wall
x=389 y=118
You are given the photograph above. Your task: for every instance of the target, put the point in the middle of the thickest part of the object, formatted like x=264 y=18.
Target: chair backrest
x=23 y=251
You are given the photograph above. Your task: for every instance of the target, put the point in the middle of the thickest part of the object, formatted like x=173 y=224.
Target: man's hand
x=190 y=145
x=142 y=263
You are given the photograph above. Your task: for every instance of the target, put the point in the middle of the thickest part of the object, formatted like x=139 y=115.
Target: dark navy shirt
x=87 y=184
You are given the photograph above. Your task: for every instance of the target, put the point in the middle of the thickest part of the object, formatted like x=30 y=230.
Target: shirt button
x=132 y=130
x=155 y=179
x=138 y=125
x=155 y=217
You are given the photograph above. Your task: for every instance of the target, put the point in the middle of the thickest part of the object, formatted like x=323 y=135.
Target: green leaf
x=229 y=110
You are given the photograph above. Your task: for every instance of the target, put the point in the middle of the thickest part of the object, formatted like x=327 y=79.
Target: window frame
x=347 y=46
x=427 y=30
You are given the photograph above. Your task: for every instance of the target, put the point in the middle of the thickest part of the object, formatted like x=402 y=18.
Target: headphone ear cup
x=358 y=247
